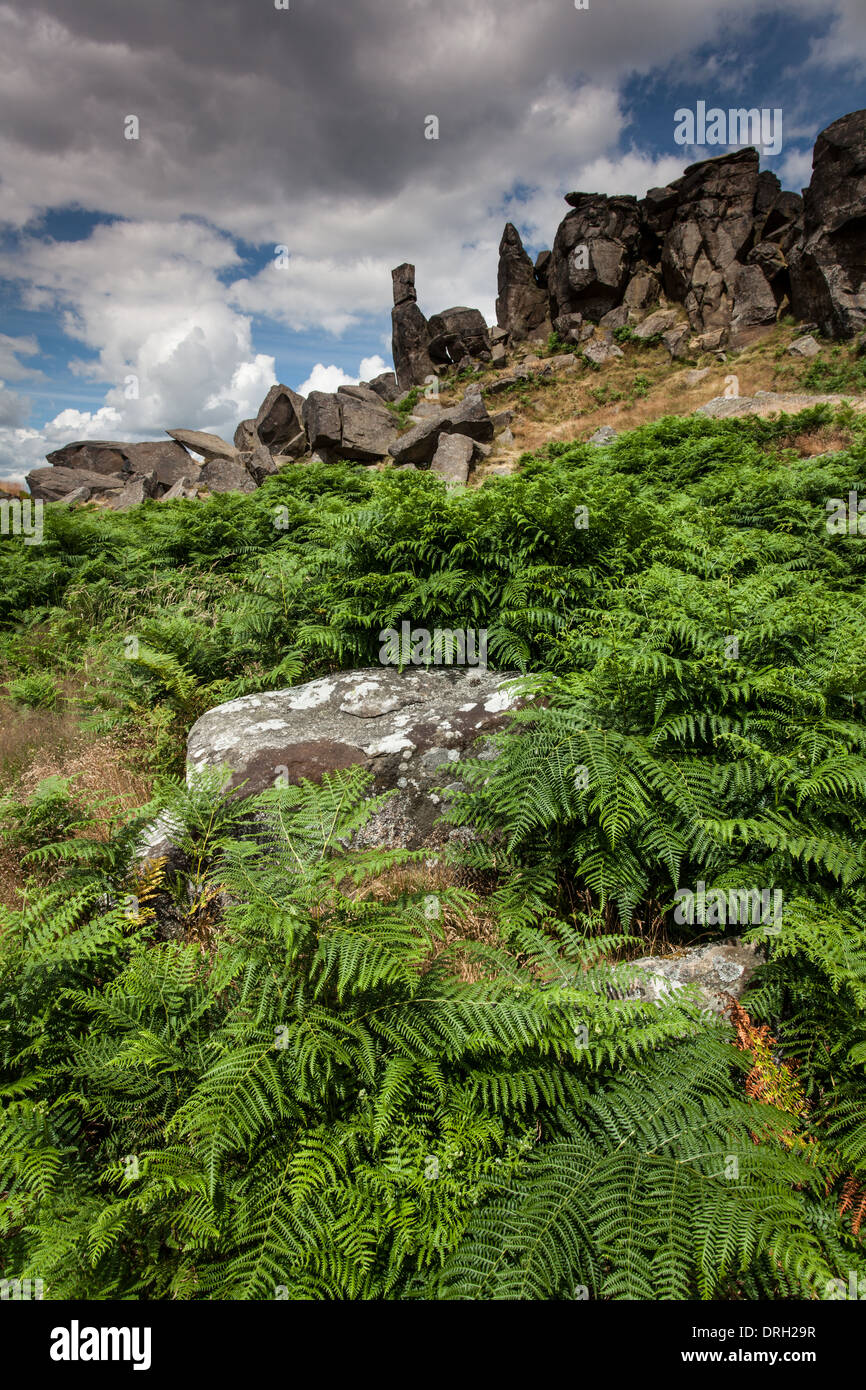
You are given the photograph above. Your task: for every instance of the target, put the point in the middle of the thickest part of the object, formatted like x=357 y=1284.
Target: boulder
x=260 y=463
x=598 y=352
x=385 y=385
x=569 y=327
x=54 y=484
x=614 y=319
x=754 y=306
x=828 y=266
x=225 y=475
x=210 y=446
x=469 y=418
x=323 y=421
x=246 y=436
x=542 y=269
x=594 y=253
x=717 y=971
x=458 y=332
x=522 y=306
x=605 y=434
x=656 y=324
x=133 y=493
x=642 y=290
x=453 y=457
x=408 y=729
x=368 y=430
x=177 y=491
x=280 y=422
x=167 y=459
x=410 y=334
x=804 y=347
x=676 y=340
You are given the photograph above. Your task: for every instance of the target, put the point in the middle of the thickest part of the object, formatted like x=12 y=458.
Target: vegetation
x=270 y=1068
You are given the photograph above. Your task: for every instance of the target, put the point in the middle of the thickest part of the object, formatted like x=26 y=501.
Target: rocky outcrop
x=418 y=446
x=522 y=304
x=410 y=334
x=407 y=729
x=828 y=267
x=594 y=252
x=56 y=484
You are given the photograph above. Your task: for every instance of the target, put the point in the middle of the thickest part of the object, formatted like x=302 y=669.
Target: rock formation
x=828 y=266
x=522 y=306
x=410 y=335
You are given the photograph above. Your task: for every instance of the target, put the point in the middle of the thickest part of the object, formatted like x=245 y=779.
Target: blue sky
x=155 y=258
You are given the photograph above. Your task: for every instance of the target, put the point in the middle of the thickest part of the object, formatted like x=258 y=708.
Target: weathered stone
x=419 y=444
x=598 y=352
x=453 y=457
x=167 y=459
x=754 y=306
x=717 y=972
x=133 y=493
x=403 y=284
x=280 y=422
x=676 y=340
x=615 y=318
x=260 y=463
x=385 y=385
x=542 y=269
x=521 y=306
x=709 y=235
x=828 y=267
x=179 y=490
x=53 y=484
x=694 y=377
x=498 y=355
x=410 y=340
x=76 y=498
x=225 y=475
x=594 y=253
x=367 y=430
x=466 y=325
x=210 y=446
x=569 y=327
x=246 y=436
x=362 y=393
x=323 y=421
x=407 y=729
x=804 y=347
x=642 y=290
x=605 y=434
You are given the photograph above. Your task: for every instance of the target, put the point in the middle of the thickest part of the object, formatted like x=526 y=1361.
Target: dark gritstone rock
x=367 y=429
x=385 y=385
x=464 y=325
x=245 y=435
x=53 y=484
x=210 y=446
x=521 y=306
x=164 y=457
x=828 y=266
x=410 y=340
x=419 y=444
x=225 y=475
x=404 y=728
x=403 y=283
x=754 y=306
x=709 y=236
x=453 y=457
x=280 y=422
x=323 y=421
x=594 y=252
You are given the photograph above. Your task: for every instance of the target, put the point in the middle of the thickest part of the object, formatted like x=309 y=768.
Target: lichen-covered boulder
x=408 y=729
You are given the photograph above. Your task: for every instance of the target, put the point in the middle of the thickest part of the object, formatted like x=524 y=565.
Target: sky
x=282 y=168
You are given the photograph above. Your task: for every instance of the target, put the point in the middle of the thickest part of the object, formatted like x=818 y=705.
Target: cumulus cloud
x=305 y=128
x=324 y=378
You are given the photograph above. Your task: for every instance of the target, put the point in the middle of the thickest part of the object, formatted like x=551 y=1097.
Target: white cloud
x=324 y=378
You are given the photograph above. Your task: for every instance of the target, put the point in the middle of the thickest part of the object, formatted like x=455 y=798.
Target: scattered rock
x=605 y=434
x=368 y=430
x=407 y=729
x=453 y=457
x=722 y=969
x=696 y=375
x=804 y=347
x=323 y=422
x=599 y=352
x=656 y=324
